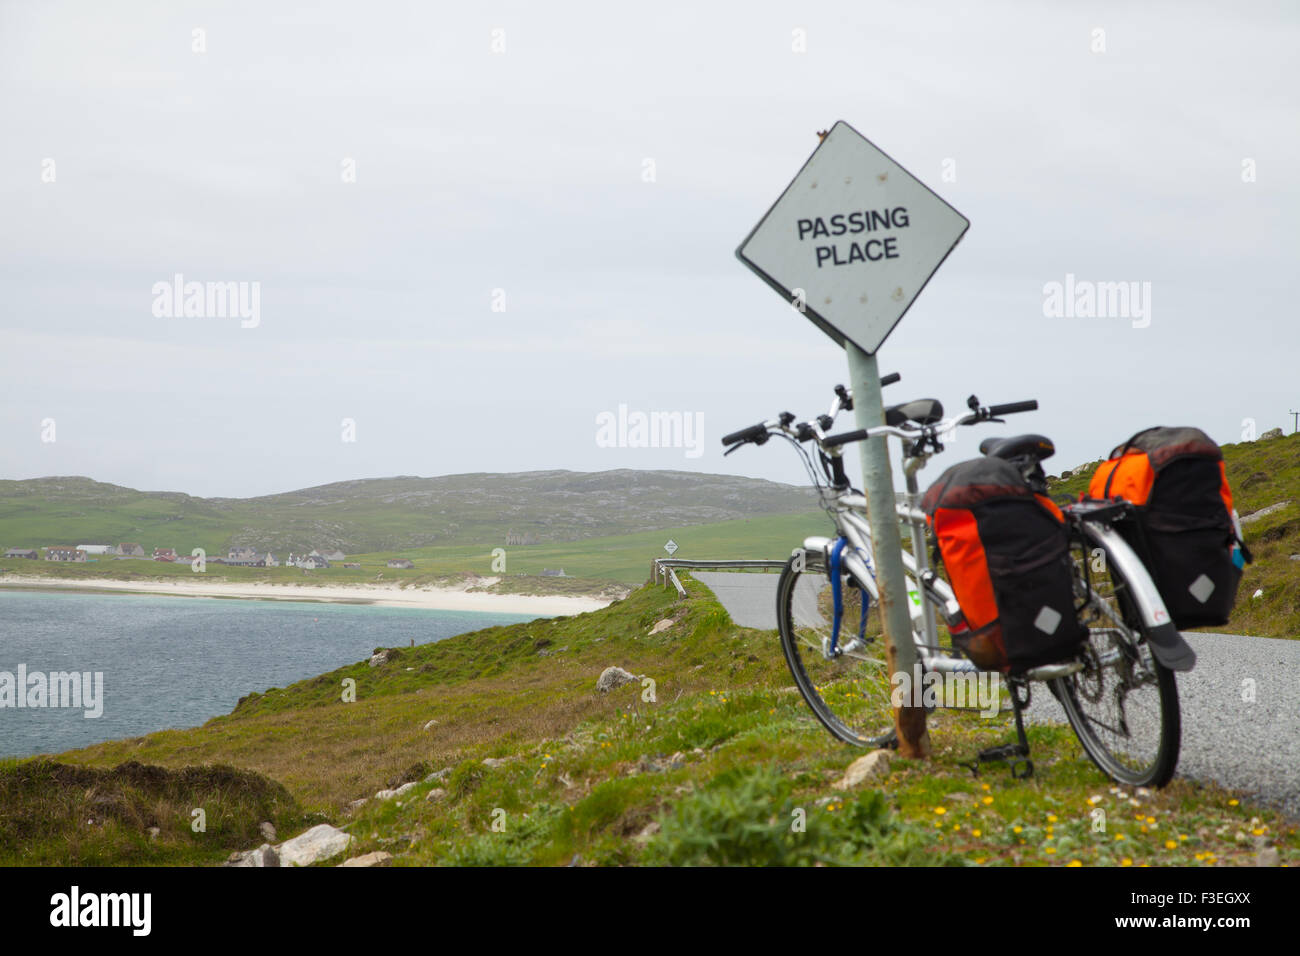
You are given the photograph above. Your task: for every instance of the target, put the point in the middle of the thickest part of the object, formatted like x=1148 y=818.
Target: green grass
x=718 y=761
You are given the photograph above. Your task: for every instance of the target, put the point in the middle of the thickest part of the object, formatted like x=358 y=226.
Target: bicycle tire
x=1072 y=692
x=844 y=676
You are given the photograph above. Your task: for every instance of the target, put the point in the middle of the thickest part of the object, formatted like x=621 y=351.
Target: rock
x=1264 y=512
x=268 y=831
x=662 y=626
x=442 y=774
x=319 y=843
x=380 y=658
x=1271 y=433
x=378 y=858
x=1268 y=856
x=355 y=805
x=153 y=833
x=612 y=677
x=437 y=793
x=432 y=723
x=1258 y=594
x=496 y=761
x=1294 y=557
x=648 y=831
x=871 y=767
x=396 y=792
x=264 y=855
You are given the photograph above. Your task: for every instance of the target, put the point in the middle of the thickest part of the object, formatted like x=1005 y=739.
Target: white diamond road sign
x=671 y=547
x=853 y=239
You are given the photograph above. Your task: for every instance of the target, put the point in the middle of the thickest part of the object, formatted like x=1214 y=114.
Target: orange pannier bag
x=1185 y=528
x=1006 y=552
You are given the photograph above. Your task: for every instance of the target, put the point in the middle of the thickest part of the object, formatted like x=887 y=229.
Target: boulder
x=378 y=858
x=1264 y=512
x=437 y=793
x=662 y=625
x=319 y=843
x=395 y=792
x=1271 y=433
x=379 y=658
x=612 y=677
x=268 y=831
x=264 y=855
x=865 y=769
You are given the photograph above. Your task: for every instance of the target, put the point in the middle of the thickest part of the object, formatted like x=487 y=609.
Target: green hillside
x=709 y=765
x=588 y=564
x=388 y=514
x=1261 y=473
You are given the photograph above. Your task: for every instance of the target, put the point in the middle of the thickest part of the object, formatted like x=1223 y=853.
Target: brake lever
x=732 y=448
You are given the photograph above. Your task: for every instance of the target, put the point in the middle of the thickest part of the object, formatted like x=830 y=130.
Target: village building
x=29 y=553
x=130 y=550
x=401 y=563
x=65 y=554
x=96 y=548
x=164 y=554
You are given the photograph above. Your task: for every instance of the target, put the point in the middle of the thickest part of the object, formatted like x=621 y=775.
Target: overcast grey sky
x=524 y=170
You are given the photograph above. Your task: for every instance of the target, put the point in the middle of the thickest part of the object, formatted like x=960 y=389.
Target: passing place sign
x=853 y=239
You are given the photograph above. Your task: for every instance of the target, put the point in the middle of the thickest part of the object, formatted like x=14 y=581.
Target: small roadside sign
x=853 y=239
x=671 y=547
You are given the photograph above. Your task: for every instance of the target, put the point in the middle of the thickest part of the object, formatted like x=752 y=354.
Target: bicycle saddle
x=1036 y=447
x=923 y=411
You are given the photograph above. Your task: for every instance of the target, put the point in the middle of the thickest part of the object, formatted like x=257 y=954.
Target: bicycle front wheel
x=1123 y=705
x=846 y=686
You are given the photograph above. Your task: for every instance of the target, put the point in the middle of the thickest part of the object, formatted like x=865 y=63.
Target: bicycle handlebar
x=1012 y=407
x=746 y=434
x=758 y=433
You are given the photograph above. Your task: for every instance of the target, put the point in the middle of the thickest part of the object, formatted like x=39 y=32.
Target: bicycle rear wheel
x=1123 y=705
x=848 y=692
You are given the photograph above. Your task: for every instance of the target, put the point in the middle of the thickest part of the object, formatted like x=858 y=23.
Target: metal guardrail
x=665 y=568
x=718 y=565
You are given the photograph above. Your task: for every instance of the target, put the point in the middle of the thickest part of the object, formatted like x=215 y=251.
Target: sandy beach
x=436 y=599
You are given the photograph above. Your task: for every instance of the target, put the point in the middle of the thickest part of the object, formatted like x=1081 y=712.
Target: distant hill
x=388 y=514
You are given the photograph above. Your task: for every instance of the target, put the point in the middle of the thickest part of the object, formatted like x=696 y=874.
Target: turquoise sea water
x=175 y=662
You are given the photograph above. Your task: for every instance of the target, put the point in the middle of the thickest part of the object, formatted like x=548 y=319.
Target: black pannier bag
x=1186 y=530
x=1006 y=552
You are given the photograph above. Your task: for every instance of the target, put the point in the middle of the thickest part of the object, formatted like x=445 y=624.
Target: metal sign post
x=850 y=244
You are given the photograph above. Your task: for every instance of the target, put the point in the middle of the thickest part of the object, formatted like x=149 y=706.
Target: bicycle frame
x=928 y=592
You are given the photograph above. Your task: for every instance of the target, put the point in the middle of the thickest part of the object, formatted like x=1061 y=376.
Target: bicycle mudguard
x=1171 y=648
x=1168 y=646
